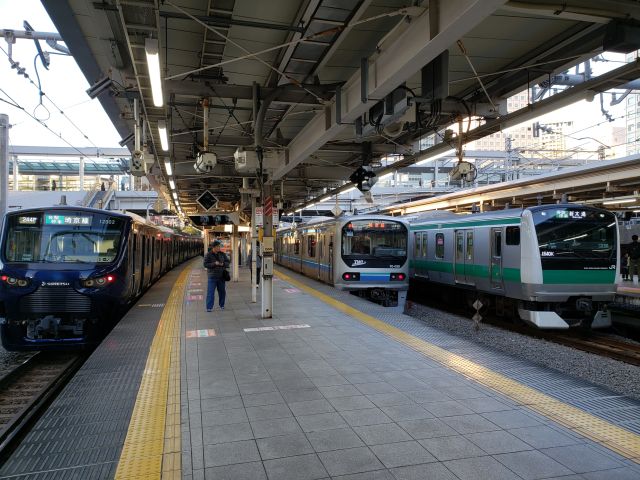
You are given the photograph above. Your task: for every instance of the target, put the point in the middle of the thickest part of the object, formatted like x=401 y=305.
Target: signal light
x=351 y=276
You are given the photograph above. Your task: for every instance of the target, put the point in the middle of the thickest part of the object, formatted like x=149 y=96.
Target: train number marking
x=546 y=254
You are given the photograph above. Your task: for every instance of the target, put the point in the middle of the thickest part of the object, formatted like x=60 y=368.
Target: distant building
x=632 y=116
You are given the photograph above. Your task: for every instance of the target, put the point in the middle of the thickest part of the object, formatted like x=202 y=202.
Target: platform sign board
x=259 y=217
x=207 y=200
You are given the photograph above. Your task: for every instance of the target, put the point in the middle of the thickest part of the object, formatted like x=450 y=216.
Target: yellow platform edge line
x=613 y=437
x=143 y=451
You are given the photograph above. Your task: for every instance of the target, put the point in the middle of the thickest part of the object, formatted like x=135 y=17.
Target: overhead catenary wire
x=20 y=107
x=44 y=95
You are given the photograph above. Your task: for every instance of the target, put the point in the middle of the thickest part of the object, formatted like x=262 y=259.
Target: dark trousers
x=212 y=285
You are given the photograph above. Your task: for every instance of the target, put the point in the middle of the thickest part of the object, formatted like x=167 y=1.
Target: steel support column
x=4 y=162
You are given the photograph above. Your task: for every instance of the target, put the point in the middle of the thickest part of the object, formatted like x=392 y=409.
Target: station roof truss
x=298 y=75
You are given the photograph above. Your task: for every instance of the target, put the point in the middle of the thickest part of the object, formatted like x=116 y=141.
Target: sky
x=66 y=86
x=63 y=83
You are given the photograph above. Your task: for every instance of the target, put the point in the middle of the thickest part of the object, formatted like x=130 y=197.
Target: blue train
x=68 y=273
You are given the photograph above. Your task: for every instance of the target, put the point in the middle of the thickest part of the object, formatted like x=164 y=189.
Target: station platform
x=332 y=386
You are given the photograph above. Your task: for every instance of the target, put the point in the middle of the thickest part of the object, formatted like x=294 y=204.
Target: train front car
x=63 y=277
x=371 y=258
x=569 y=265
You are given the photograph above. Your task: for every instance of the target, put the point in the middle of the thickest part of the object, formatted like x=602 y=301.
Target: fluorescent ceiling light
x=614 y=202
x=172 y=184
x=153 y=63
x=311 y=205
x=175 y=195
x=167 y=167
x=298 y=210
x=164 y=139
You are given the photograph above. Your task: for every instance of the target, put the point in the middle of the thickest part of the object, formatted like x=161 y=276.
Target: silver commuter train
x=367 y=254
x=555 y=265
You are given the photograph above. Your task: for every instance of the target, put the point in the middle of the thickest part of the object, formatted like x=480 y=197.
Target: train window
x=459 y=246
x=469 y=246
x=424 y=244
x=296 y=247
x=512 y=236
x=496 y=248
x=416 y=245
x=439 y=245
x=311 y=246
x=63 y=238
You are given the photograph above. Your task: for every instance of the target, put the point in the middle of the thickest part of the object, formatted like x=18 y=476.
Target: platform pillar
x=235 y=251
x=254 y=278
x=266 y=247
x=4 y=162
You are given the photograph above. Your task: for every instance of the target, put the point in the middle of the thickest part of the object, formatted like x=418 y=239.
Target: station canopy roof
x=301 y=75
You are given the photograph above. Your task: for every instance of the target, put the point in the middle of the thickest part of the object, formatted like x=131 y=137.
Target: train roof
x=67 y=207
x=320 y=220
x=496 y=214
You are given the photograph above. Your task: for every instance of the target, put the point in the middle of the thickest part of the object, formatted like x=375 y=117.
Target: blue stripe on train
x=364 y=277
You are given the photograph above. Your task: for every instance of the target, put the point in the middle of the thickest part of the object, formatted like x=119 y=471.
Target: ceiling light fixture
x=153 y=63
x=167 y=166
x=164 y=139
x=172 y=184
x=622 y=200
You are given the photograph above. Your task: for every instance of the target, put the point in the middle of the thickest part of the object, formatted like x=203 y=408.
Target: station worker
x=216 y=263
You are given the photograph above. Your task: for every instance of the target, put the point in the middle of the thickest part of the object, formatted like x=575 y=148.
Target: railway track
x=27 y=389
x=593 y=342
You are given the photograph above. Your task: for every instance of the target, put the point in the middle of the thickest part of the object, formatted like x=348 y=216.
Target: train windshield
x=63 y=237
x=576 y=233
x=370 y=240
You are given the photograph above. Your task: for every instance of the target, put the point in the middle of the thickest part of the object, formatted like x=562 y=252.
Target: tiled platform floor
x=341 y=400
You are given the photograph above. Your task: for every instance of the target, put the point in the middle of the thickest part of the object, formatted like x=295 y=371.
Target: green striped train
x=553 y=266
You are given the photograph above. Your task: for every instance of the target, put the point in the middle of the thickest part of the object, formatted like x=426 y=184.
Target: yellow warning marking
x=152 y=448
x=615 y=438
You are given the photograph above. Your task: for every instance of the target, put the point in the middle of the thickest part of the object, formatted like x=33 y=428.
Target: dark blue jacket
x=215 y=271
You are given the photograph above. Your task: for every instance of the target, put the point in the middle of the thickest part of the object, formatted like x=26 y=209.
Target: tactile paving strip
x=143 y=453
x=614 y=437
x=81 y=434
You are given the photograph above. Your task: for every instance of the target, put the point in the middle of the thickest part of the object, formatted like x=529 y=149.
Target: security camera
x=99 y=87
x=205 y=162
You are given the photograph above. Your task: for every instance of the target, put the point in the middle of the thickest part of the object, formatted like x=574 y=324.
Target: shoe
x=221 y=308
x=208 y=309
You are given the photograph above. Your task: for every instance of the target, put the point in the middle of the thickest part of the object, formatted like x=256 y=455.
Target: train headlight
x=98 y=282
x=14 y=282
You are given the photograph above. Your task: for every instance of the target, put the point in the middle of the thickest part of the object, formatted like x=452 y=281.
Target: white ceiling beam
x=396 y=62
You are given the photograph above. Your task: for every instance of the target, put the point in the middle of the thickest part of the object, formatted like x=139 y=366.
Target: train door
x=495 y=272
x=320 y=254
x=463 y=260
x=143 y=260
x=330 y=259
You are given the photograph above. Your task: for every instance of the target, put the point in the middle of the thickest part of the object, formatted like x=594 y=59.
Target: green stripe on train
x=513 y=274
x=467 y=223
x=578 y=276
